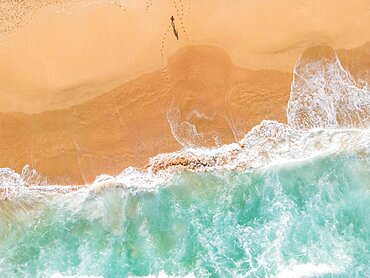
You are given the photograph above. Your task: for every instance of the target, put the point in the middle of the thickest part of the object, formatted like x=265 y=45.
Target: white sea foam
x=268 y=143
x=306 y=270
x=59 y=275
x=131 y=178
x=28 y=176
x=324 y=95
x=163 y=274
x=185 y=133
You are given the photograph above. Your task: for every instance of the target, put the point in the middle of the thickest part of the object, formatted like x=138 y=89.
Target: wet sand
x=102 y=87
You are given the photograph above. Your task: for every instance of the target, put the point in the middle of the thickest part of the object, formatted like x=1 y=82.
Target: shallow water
x=290 y=219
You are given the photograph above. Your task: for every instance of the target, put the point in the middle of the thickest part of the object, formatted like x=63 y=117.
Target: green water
x=257 y=223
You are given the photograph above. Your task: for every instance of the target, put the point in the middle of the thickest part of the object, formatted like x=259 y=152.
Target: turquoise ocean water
x=311 y=217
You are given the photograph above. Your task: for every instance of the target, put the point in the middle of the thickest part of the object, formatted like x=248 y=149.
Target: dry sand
x=88 y=87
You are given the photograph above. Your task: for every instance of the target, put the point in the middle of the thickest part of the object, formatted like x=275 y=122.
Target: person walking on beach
x=174 y=27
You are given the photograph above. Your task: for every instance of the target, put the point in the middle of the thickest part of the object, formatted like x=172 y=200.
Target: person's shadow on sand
x=174 y=27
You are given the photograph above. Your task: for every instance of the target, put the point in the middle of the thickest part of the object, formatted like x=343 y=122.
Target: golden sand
x=90 y=88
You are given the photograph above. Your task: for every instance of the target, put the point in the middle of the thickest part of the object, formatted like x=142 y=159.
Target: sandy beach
x=91 y=87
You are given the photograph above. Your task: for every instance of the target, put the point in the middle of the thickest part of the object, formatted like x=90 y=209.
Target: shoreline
x=236 y=157
x=207 y=89
x=68 y=146
x=82 y=136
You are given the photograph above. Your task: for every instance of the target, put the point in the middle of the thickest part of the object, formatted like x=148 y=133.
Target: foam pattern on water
x=309 y=217
x=324 y=94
